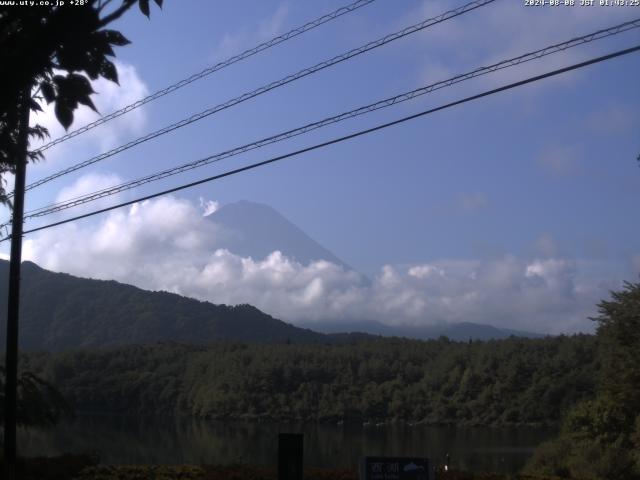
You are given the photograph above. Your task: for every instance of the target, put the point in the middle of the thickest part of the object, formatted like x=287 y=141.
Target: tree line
x=503 y=382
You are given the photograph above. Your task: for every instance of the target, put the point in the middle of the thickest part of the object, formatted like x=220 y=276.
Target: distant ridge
x=460 y=332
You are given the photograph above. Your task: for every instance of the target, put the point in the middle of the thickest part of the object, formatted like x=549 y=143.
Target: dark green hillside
x=505 y=382
x=60 y=311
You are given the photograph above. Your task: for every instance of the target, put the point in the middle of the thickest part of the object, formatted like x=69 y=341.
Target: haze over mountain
x=256 y=230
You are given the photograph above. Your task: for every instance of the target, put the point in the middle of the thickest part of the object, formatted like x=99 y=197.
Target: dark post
x=11 y=364
x=290 y=448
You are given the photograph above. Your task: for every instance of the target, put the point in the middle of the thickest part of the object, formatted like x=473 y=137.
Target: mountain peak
x=256 y=230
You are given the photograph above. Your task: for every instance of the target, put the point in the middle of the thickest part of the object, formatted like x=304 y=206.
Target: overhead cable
x=209 y=70
x=72 y=202
x=341 y=139
x=266 y=88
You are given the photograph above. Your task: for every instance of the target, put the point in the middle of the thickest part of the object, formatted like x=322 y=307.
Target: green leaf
x=64 y=113
x=38 y=131
x=108 y=71
x=79 y=84
x=144 y=7
x=35 y=106
x=73 y=57
x=88 y=102
x=115 y=38
x=102 y=46
x=93 y=65
x=48 y=91
x=58 y=79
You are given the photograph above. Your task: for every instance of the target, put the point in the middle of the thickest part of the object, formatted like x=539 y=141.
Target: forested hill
x=500 y=382
x=60 y=311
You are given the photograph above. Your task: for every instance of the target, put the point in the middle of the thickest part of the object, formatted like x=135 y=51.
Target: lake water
x=124 y=440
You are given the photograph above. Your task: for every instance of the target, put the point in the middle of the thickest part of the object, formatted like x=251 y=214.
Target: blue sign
x=394 y=468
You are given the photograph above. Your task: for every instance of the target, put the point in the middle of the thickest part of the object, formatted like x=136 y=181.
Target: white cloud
x=546 y=246
x=237 y=42
x=108 y=98
x=166 y=244
x=90 y=183
x=561 y=161
x=610 y=120
x=208 y=206
x=471 y=202
x=87 y=184
x=424 y=271
x=463 y=203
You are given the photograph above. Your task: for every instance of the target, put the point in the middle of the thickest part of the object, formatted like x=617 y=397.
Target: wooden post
x=11 y=363
x=290 y=449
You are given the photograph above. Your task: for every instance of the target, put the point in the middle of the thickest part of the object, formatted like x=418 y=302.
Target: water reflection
x=127 y=440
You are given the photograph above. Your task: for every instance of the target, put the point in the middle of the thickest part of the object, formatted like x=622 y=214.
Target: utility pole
x=11 y=363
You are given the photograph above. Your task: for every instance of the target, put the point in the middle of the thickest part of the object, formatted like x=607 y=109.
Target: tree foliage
x=39 y=402
x=51 y=54
x=503 y=382
x=619 y=333
x=600 y=437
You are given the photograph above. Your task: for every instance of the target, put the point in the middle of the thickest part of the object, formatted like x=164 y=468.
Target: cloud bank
x=167 y=244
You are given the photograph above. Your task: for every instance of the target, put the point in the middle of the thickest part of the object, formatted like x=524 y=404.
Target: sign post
x=395 y=468
x=290 y=461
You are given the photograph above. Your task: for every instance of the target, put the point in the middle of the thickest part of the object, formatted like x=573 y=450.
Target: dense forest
x=503 y=382
x=600 y=435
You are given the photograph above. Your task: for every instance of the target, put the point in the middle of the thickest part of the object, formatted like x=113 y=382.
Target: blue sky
x=544 y=173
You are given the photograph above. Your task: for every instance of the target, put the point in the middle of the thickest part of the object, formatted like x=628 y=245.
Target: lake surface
x=125 y=440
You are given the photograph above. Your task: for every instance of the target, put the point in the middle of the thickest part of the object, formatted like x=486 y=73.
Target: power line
x=72 y=202
x=209 y=70
x=266 y=88
x=343 y=138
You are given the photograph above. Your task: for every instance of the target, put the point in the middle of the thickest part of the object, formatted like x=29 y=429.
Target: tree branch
x=126 y=5
x=102 y=5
